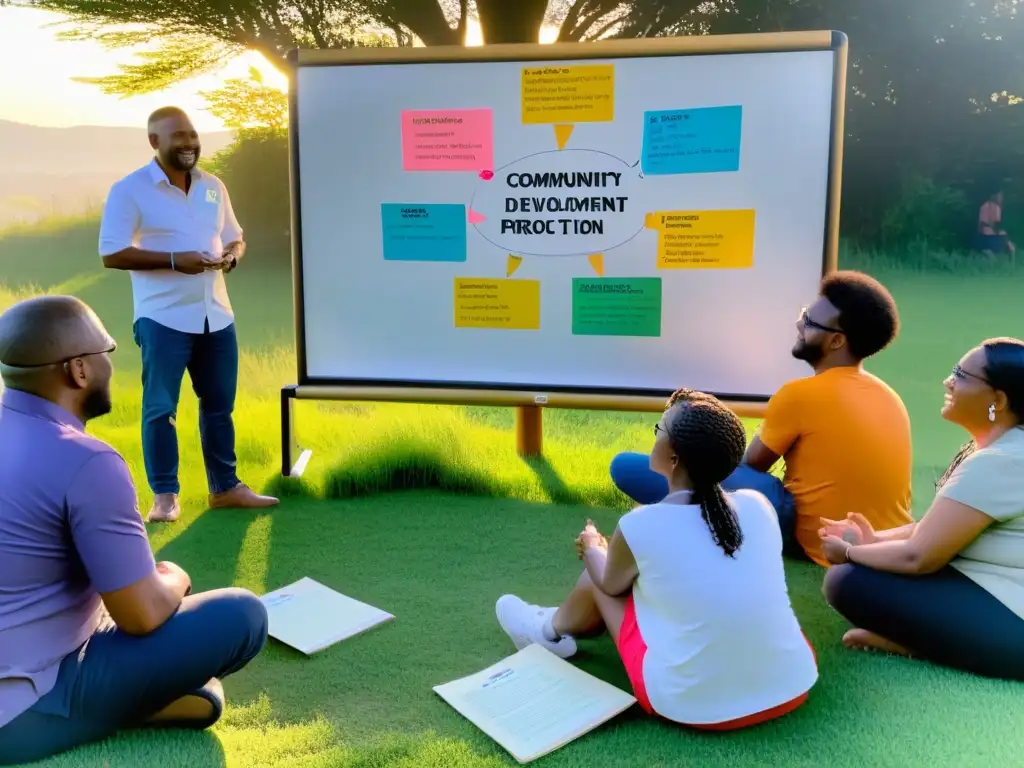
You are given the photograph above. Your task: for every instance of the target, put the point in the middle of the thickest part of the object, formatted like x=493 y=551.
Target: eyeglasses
x=960 y=373
x=808 y=322
x=658 y=429
x=67 y=360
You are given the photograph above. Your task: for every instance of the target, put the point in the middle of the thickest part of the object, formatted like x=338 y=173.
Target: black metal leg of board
x=293 y=459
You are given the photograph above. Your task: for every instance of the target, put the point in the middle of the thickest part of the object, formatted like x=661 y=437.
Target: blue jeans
x=211 y=360
x=632 y=474
x=116 y=681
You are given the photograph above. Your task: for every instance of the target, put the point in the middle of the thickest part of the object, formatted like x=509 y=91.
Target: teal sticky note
x=705 y=140
x=423 y=231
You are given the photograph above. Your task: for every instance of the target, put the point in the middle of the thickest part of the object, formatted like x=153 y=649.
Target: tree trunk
x=426 y=20
x=511 y=21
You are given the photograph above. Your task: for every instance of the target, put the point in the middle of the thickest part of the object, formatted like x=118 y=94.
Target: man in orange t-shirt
x=843 y=433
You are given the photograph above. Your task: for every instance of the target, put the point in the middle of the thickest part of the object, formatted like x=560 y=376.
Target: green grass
x=473 y=521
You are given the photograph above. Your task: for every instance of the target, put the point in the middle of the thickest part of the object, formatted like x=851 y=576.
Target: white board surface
x=730 y=151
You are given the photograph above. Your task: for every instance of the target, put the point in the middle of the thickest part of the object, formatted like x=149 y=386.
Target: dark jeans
x=942 y=617
x=117 y=681
x=211 y=360
x=632 y=474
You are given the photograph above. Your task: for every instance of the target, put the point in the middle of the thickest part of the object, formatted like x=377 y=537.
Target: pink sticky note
x=447 y=140
x=475 y=218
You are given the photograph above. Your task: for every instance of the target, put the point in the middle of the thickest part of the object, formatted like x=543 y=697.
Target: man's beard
x=174 y=160
x=809 y=354
x=97 y=403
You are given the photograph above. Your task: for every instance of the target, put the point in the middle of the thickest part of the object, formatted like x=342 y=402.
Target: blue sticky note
x=705 y=140
x=424 y=231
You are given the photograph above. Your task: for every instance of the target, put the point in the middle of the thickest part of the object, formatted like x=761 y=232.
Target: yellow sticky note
x=704 y=239
x=577 y=94
x=484 y=302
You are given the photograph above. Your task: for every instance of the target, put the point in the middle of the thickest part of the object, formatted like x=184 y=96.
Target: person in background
x=843 y=433
x=992 y=238
x=95 y=636
x=950 y=588
x=172 y=227
x=691 y=588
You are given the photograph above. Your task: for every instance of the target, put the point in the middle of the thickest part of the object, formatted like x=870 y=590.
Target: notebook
x=309 y=616
x=534 y=702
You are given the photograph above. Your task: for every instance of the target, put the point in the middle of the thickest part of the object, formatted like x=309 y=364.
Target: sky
x=46 y=95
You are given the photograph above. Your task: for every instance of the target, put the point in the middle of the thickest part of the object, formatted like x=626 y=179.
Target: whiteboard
x=624 y=225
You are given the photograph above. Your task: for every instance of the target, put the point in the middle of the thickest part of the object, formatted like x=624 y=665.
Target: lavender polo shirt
x=69 y=530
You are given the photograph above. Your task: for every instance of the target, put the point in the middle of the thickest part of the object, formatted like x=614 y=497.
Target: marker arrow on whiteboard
x=474 y=217
x=562 y=134
x=512 y=264
x=597 y=263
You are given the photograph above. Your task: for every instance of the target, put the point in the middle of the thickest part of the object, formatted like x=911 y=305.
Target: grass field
x=428 y=513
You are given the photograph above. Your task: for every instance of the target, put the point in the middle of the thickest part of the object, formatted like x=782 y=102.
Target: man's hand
x=855 y=529
x=176 y=575
x=194 y=262
x=232 y=254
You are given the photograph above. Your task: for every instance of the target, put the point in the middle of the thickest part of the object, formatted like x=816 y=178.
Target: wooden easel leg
x=529 y=430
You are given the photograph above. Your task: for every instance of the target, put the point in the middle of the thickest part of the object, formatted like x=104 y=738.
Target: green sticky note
x=616 y=306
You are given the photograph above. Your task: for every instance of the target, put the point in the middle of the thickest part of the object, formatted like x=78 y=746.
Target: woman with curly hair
x=691 y=589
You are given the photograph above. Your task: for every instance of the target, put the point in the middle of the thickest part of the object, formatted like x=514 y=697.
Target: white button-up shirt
x=146 y=211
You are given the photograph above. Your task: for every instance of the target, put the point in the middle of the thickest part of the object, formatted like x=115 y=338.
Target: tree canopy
x=196 y=36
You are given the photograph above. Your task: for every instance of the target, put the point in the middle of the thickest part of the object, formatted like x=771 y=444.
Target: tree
x=197 y=36
x=934 y=86
x=255 y=165
x=249 y=104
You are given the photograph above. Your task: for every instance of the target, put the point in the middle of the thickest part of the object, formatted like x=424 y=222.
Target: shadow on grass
x=404 y=466
x=557 y=490
x=146 y=746
x=210 y=548
x=436 y=455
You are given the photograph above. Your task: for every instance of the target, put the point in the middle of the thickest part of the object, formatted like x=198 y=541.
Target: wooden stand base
x=529 y=430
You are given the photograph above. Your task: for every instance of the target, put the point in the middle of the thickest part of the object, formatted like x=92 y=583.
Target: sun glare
x=45 y=93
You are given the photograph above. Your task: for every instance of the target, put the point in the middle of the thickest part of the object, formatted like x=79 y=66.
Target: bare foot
x=863 y=640
x=166 y=508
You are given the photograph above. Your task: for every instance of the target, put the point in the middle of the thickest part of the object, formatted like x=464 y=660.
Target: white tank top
x=722 y=639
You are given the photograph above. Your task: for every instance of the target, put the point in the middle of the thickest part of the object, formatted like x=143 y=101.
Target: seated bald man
x=94 y=635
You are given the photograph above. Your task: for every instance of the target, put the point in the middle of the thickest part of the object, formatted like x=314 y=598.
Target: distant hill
x=49 y=171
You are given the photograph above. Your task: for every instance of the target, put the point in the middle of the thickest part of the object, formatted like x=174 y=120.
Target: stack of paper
x=310 y=617
x=534 y=702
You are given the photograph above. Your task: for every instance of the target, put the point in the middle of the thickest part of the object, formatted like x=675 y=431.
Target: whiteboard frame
x=525 y=395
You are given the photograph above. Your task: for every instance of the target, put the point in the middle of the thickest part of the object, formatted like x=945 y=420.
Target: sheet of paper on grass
x=534 y=702
x=309 y=616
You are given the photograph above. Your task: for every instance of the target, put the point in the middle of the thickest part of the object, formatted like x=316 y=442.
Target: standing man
x=172 y=227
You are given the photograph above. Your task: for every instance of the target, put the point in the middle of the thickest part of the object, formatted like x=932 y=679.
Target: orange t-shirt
x=845 y=437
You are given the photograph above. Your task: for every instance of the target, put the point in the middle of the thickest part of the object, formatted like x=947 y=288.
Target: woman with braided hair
x=691 y=589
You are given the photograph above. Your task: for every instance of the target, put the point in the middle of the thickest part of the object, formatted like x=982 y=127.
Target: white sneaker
x=524 y=624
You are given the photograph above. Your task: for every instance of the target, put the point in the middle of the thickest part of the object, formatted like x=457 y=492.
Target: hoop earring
x=992 y=412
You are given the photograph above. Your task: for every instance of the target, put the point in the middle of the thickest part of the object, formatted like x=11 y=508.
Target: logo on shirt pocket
x=211 y=195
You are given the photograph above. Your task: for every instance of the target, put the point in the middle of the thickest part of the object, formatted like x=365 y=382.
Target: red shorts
x=632 y=649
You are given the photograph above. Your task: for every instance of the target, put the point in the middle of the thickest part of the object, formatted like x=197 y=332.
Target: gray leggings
x=943 y=617
x=117 y=681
